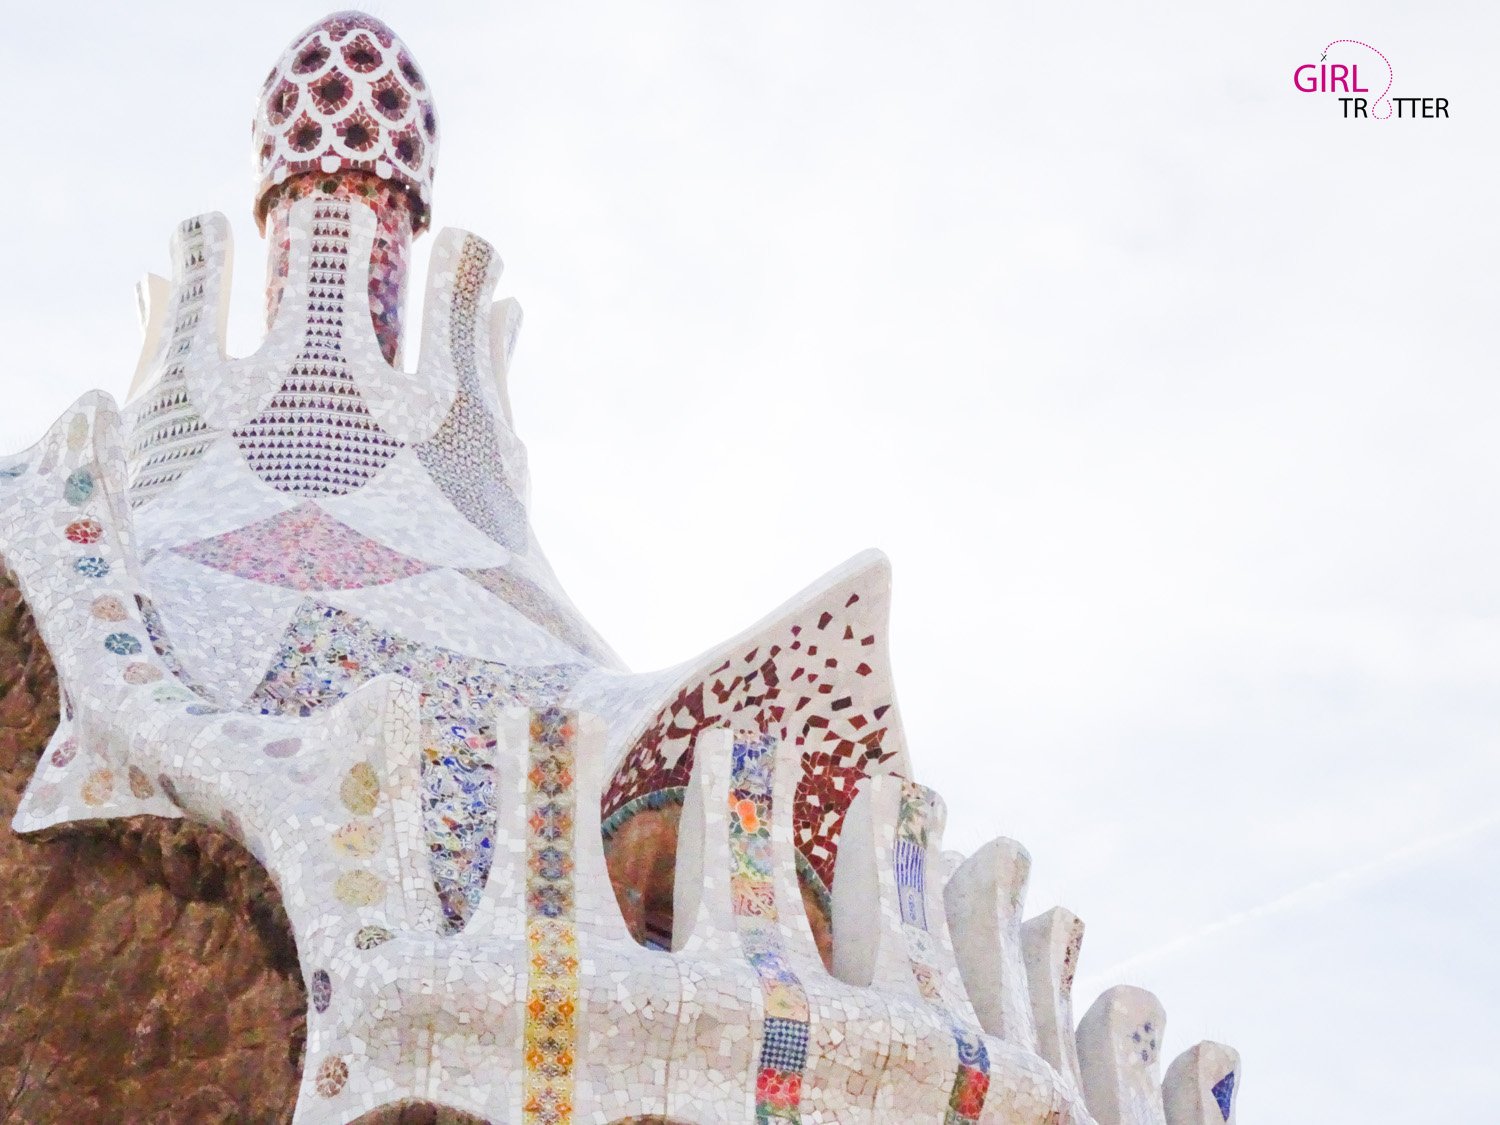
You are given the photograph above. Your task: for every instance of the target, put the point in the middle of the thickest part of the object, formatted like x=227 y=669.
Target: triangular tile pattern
x=303 y=549
x=1223 y=1092
x=316 y=435
x=169 y=435
x=430 y=528
x=463 y=457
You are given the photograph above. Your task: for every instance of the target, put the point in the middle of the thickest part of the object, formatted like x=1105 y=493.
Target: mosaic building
x=297 y=596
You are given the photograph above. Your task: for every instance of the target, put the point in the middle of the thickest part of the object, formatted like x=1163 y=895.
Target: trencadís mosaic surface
x=297 y=596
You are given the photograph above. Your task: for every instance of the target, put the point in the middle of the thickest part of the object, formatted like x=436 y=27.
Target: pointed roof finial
x=346 y=94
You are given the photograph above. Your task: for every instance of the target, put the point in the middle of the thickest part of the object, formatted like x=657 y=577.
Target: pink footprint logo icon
x=1390 y=76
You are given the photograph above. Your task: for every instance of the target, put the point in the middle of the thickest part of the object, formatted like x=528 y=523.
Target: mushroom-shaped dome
x=346 y=94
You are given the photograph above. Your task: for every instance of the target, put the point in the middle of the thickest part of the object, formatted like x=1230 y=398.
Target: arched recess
x=641 y=856
x=640 y=853
x=428 y=1113
x=419 y=1113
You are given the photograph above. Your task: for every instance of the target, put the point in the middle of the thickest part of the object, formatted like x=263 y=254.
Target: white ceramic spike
x=1119 y=1052
x=869 y=946
x=1050 y=945
x=701 y=899
x=983 y=901
x=1202 y=1085
x=153 y=296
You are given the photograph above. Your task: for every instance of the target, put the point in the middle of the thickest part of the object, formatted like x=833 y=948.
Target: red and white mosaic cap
x=346 y=94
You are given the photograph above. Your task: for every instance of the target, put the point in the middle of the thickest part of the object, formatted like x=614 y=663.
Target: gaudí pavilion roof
x=297 y=595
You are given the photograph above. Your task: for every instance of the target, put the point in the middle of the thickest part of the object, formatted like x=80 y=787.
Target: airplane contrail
x=1317 y=891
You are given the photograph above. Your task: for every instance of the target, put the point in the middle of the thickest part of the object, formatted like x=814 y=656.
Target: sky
x=1168 y=391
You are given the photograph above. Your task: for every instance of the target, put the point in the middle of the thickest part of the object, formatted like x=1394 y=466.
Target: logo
x=1344 y=78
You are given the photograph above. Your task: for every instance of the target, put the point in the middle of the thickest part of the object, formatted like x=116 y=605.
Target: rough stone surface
x=147 y=972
